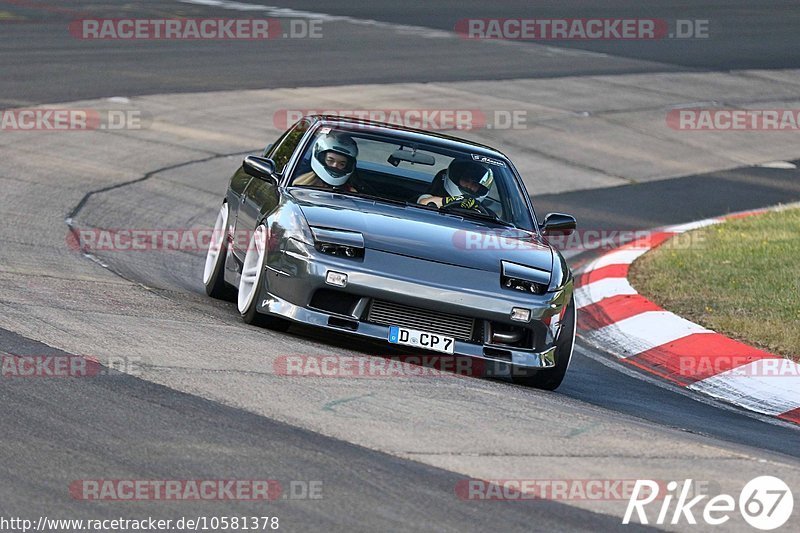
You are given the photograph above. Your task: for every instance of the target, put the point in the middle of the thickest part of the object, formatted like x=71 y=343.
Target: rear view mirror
x=260 y=167
x=410 y=156
x=558 y=224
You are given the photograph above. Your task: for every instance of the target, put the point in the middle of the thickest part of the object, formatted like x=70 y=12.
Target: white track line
x=753 y=386
x=666 y=385
x=648 y=330
x=618 y=257
x=600 y=290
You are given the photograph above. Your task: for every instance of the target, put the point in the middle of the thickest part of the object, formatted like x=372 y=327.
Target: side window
x=286 y=145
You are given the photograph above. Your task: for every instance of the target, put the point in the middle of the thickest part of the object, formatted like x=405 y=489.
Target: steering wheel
x=477 y=207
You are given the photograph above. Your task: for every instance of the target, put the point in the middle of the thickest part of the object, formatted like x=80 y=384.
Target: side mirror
x=558 y=224
x=260 y=167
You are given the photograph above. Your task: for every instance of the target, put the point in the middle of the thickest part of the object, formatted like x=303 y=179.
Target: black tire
x=254 y=318
x=215 y=286
x=551 y=378
x=250 y=315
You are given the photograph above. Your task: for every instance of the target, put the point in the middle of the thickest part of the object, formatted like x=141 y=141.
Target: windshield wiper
x=466 y=213
x=372 y=197
x=471 y=213
x=392 y=201
x=381 y=199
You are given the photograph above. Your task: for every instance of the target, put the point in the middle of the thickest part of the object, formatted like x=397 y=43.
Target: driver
x=465 y=183
x=333 y=162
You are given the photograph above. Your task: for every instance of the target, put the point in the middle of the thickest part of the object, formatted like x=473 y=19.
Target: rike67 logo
x=766 y=503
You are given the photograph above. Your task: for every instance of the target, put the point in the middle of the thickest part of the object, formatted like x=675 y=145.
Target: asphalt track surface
x=129 y=426
x=101 y=424
x=42 y=62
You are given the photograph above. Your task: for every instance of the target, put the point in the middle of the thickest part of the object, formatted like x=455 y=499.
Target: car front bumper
x=276 y=306
x=294 y=275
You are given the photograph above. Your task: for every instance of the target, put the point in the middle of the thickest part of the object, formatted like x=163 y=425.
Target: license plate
x=421 y=339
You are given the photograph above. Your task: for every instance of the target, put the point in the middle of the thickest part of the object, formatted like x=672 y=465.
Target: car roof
x=408 y=134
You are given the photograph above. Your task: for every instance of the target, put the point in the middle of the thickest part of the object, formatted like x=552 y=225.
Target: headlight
x=339 y=242
x=523 y=285
x=524 y=278
x=339 y=250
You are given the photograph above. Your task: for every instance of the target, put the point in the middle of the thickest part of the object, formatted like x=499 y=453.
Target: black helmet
x=460 y=169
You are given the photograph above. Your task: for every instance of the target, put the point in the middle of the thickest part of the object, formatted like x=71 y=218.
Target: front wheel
x=551 y=378
x=251 y=280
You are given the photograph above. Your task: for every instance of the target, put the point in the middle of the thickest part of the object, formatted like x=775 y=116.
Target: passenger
x=333 y=162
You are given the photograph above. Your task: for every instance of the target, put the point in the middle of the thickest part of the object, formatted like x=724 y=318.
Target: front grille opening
x=495 y=353
x=342 y=323
x=510 y=335
x=394 y=314
x=336 y=302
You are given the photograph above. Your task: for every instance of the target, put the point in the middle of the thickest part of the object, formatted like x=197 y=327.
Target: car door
x=261 y=196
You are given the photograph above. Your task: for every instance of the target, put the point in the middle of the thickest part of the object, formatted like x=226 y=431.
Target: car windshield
x=428 y=175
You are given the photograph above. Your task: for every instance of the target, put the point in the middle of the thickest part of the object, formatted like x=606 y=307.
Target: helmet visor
x=475 y=181
x=336 y=163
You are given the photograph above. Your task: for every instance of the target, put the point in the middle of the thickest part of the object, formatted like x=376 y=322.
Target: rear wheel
x=251 y=281
x=214 y=270
x=551 y=378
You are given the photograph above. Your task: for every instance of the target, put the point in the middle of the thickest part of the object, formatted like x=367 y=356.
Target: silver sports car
x=406 y=236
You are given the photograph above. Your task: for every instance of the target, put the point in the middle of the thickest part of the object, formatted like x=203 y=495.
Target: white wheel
x=252 y=268
x=214 y=269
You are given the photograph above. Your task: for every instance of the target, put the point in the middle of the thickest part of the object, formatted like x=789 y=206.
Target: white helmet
x=460 y=169
x=337 y=143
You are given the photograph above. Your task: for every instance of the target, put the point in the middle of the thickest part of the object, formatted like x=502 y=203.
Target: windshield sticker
x=324 y=131
x=489 y=160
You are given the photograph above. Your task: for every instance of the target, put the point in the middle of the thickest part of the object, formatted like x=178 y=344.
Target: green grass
x=740 y=278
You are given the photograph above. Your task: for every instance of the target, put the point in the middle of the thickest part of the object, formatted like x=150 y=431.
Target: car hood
x=424 y=234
